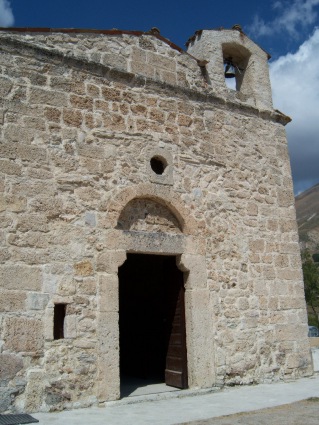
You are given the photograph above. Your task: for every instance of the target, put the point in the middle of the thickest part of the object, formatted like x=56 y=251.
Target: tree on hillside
x=311 y=281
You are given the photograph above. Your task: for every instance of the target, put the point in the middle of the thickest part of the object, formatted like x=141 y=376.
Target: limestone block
x=268 y=272
x=66 y=287
x=85 y=343
x=34 y=392
x=159 y=61
x=23 y=334
x=4 y=255
x=32 y=153
x=70 y=326
x=196 y=266
x=12 y=301
x=92 y=166
x=289 y=274
x=108 y=293
x=52 y=207
x=109 y=262
x=23 y=188
x=10 y=365
x=6 y=398
x=290 y=302
x=282 y=261
x=107 y=166
x=195 y=245
x=257 y=245
x=5 y=86
x=167 y=77
x=72 y=117
x=28 y=239
x=290 y=248
x=242 y=303
x=90 y=219
x=48 y=323
x=90 y=151
x=12 y=203
x=15 y=133
x=199 y=335
x=21 y=277
x=154 y=243
x=37 y=222
x=108 y=357
x=87 y=286
x=86 y=325
x=10 y=167
x=116 y=60
x=83 y=268
x=50 y=282
x=48 y=97
x=81 y=102
x=92 y=90
x=34 y=123
x=37 y=301
x=285 y=198
x=252 y=209
x=291 y=332
x=52 y=114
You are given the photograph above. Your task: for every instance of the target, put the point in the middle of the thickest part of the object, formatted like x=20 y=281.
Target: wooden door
x=176 y=358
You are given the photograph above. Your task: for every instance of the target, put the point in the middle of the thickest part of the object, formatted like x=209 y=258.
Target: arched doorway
x=152 y=320
x=152 y=221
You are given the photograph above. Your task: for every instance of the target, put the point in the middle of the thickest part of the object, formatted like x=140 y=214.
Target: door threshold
x=174 y=393
x=133 y=387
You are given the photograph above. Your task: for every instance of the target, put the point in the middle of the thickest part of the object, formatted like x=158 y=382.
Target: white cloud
x=295 y=83
x=290 y=17
x=6 y=15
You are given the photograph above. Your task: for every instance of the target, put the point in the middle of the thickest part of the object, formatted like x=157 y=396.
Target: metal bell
x=230 y=70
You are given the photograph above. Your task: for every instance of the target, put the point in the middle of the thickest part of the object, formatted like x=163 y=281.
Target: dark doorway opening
x=152 y=320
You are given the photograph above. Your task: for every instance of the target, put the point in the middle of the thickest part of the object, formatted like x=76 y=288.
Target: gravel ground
x=304 y=412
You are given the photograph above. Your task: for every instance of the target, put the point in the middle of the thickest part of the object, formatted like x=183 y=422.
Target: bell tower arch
x=250 y=62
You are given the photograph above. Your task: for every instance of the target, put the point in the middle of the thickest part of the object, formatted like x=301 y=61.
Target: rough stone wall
x=79 y=124
x=147 y=215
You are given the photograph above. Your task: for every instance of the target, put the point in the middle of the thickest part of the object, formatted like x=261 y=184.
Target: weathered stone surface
x=6 y=399
x=12 y=301
x=23 y=334
x=84 y=268
x=78 y=192
x=20 y=277
x=10 y=365
x=37 y=301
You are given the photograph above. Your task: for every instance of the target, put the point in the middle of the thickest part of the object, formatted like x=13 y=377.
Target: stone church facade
x=128 y=165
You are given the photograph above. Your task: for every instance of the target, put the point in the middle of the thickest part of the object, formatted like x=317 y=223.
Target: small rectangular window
x=58 y=321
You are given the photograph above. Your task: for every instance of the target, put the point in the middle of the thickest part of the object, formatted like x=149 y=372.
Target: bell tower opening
x=152 y=322
x=236 y=60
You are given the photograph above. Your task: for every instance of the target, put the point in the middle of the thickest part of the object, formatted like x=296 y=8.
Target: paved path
x=175 y=410
x=304 y=412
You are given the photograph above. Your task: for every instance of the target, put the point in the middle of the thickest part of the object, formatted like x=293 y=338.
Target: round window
x=158 y=165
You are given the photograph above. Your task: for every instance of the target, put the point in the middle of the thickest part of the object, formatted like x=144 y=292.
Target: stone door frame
x=189 y=249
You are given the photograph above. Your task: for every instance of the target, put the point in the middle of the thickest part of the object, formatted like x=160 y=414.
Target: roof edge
x=113 y=31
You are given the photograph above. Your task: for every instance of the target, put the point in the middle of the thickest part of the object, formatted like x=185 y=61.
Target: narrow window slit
x=58 y=321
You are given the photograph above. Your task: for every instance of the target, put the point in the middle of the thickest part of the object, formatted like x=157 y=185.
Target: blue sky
x=288 y=30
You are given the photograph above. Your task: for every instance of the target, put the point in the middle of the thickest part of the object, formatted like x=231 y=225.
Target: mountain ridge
x=307 y=212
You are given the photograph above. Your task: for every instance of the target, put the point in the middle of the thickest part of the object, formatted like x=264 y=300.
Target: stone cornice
x=206 y=96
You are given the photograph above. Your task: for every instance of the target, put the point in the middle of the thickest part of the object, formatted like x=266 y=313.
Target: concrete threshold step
x=161 y=396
